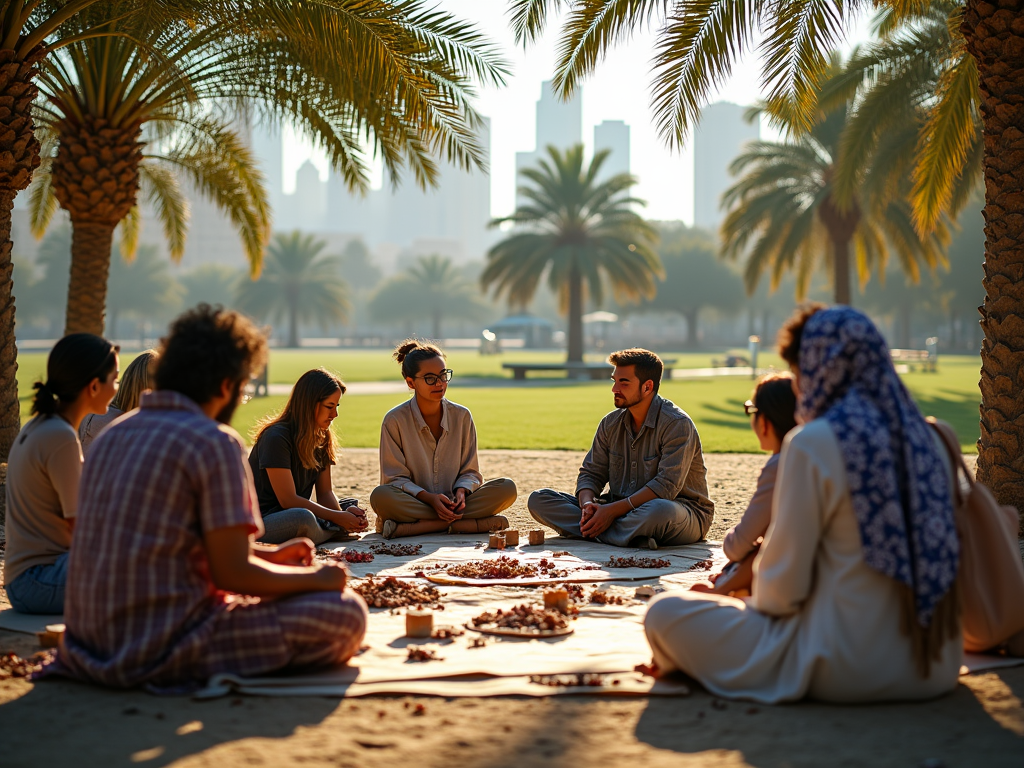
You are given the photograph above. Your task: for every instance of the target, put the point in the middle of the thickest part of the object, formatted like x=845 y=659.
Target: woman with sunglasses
x=772 y=415
x=429 y=469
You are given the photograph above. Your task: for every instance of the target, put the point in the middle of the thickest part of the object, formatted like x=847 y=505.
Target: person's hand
x=444 y=507
x=331 y=577
x=293 y=552
x=599 y=521
x=460 y=500
x=588 y=509
x=352 y=521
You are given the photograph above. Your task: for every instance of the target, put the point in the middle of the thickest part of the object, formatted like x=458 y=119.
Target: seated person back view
x=44 y=468
x=134 y=381
x=853 y=595
x=164 y=540
x=430 y=477
x=292 y=456
x=648 y=453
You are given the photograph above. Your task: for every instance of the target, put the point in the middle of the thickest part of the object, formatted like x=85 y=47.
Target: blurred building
x=719 y=138
x=613 y=135
x=559 y=124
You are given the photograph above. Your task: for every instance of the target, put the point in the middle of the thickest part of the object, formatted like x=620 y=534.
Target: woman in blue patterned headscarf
x=854 y=594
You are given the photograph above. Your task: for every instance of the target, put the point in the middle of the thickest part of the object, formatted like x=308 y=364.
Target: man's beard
x=627 y=404
x=227 y=413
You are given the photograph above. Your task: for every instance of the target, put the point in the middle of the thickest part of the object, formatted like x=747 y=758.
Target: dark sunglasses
x=749 y=408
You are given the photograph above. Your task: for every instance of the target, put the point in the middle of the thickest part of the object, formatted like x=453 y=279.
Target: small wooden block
x=50 y=637
x=536 y=537
x=419 y=623
x=558 y=599
x=511 y=538
x=497 y=541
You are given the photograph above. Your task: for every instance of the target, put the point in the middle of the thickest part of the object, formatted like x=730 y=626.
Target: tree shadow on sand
x=980 y=723
x=62 y=722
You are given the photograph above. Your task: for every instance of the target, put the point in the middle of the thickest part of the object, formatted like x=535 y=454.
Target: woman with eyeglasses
x=292 y=456
x=772 y=415
x=429 y=469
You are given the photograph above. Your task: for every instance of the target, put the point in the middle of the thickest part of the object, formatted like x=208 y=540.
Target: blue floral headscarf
x=899 y=483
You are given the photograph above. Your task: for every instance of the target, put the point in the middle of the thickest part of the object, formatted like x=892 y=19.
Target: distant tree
x=695 y=278
x=431 y=289
x=298 y=285
x=784 y=213
x=44 y=293
x=357 y=267
x=210 y=284
x=142 y=287
x=580 y=233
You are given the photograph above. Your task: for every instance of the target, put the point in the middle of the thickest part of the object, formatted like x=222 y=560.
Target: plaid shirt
x=140 y=605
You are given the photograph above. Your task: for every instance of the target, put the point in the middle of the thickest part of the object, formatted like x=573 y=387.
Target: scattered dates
x=446 y=633
x=421 y=653
x=13 y=665
x=637 y=562
x=590 y=679
x=396 y=550
x=502 y=567
x=703 y=565
x=394 y=593
x=606 y=598
x=349 y=555
x=525 y=617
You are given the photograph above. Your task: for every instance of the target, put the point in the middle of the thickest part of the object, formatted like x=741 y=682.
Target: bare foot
x=651 y=670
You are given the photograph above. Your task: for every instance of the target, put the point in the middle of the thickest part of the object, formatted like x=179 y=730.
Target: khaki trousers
x=391 y=503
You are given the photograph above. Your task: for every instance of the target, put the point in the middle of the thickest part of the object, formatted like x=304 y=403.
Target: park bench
x=928 y=359
x=593 y=371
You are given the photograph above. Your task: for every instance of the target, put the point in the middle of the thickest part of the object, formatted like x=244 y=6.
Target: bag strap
x=956 y=456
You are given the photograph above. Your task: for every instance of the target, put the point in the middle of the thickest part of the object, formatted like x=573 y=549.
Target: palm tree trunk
x=841 y=270
x=293 y=322
x=96 y=180
x=19 y=157
x=90 y=267
x=575 y=346
x=436 y=330
x=995 y=38
x=691 y=316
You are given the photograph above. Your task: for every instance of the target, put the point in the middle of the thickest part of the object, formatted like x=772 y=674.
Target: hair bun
x=402 y=350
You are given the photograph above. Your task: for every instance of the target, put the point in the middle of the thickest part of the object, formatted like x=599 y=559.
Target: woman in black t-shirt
x=293 y=455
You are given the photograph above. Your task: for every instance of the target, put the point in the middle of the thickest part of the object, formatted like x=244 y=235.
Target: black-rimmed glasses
x=430 y=379
x=749 y=408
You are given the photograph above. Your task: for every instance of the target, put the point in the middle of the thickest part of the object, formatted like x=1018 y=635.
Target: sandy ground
x=58 y=723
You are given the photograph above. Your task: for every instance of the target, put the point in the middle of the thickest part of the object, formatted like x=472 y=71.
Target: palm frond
x=160 y=184
x=130 y=229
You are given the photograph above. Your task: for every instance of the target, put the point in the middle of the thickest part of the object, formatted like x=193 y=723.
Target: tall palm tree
x=786 y=202
x=107 y=101
x=28 y=32
x=299 y=284
x=579 y=232
x=433 y=289
x=698 y=43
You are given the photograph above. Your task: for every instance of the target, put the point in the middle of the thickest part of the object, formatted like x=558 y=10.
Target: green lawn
x=564 y=417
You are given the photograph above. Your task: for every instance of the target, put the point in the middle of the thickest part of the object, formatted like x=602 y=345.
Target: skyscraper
x=719 y=138
x=559 y=124
x=612 y=135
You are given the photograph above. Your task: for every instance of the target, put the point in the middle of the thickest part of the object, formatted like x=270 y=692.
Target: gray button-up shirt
x=664 y=456
x=411 y=459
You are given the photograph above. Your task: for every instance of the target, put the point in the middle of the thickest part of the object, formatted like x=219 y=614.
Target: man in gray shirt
x=647 y=452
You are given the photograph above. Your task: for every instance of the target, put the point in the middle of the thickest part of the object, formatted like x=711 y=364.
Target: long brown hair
x=134 y=381
x=316 y=448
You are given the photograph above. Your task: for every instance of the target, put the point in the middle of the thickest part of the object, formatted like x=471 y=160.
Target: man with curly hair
x=166 y=586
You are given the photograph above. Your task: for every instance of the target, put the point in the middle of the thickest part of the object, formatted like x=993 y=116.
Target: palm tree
x=210 y=284
x=699 y=41
x=28 y=32
x=133 y=109
x=579 y=232
x=298 y=284
x=142 y=287
x=786 y=199
x=432 y=288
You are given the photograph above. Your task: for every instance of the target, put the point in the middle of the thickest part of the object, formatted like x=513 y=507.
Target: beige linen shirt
x=43 y=470
x=412 y=460
x=664 y=455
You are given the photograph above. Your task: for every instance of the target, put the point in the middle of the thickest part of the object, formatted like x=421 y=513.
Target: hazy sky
x=619 y=90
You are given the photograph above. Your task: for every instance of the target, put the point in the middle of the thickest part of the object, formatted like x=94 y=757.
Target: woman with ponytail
x=430 y=472
x=44 y=467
